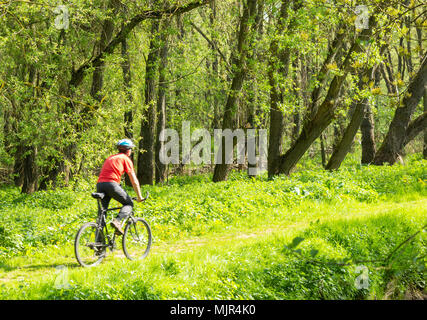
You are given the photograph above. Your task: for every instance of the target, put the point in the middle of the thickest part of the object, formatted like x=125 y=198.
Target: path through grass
x=204 y=267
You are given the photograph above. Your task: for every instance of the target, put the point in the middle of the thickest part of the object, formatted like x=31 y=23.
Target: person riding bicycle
x=109 y=182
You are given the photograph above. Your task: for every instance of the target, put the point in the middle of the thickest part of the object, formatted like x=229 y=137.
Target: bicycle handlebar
x=146 y=197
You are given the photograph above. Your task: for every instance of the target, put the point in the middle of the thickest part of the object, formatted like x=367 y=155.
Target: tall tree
x=326 y=111
x=344 y=145
x=213 y=45
x=239 y=65
x=393 y=143
x=425 y=128
x=128 y=115
x=420 y=31
x=148 y=122
x=30 y=174
x=278 y=56
x=253 y=98
x=367 y=128
x=160 y=170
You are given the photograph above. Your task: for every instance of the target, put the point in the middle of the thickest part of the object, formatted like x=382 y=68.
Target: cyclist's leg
x=121 y=196
x=104 y=187
x=115 y=191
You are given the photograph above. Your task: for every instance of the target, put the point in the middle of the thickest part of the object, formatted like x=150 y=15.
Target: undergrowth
x=322 y=205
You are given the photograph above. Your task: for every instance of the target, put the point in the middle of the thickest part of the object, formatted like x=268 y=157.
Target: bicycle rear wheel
x=136 y=239
x=89 y=245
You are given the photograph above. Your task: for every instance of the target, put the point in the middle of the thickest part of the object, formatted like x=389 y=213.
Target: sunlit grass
x=227 y=240
x=230 y=266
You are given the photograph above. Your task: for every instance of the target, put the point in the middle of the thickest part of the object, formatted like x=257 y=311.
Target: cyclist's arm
x=135 y=185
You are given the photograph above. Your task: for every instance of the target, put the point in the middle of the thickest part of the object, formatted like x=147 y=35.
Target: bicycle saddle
x=97 y=195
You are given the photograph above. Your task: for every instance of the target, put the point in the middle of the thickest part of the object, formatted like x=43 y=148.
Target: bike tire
x=91 y=252
x=137 y=239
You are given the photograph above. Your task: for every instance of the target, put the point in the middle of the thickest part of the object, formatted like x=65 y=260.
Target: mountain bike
x=93 y=238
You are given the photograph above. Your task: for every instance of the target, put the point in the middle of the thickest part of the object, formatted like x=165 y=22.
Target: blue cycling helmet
x=125 y=144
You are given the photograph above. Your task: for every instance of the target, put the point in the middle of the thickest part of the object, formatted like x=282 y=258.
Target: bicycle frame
x=102 y=222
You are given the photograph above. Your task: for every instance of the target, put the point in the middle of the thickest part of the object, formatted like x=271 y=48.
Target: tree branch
x=416 y=127
x=213 y=46
x=78 y=75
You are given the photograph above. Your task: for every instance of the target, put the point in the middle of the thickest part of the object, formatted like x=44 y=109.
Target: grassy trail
x=41 y=266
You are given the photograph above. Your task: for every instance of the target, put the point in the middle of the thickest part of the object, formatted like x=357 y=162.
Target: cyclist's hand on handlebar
x=140 y=199
x=137 y=199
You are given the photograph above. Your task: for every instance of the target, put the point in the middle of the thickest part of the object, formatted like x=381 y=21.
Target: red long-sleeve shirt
x=114 y=167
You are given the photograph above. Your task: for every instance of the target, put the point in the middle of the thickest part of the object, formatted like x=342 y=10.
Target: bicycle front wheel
x=89 y=245
x=136 y=239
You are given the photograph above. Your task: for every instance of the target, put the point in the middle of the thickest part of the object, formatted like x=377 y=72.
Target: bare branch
x=213 y=46
x=78 y=75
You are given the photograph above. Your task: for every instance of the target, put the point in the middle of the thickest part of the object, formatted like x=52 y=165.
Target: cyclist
x=109 y=182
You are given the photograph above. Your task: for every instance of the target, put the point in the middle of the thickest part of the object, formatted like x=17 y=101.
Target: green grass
x=227 y=240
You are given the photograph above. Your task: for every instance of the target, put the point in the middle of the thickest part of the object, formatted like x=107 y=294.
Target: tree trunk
x=344 y=145
x=393 y=144
x=160 y=172
x=334 y=49
x=98 y=72
x=296 y=119
x=390 y=76
x=278 y=65
x=239 y=60
x=252 y=108
x=29 y=170
x=297 y=96
x=322 y=150
x=148 y=123
x=180 y=52
x=216 y=119
x=416 y=127
x=425 y=128
x=18 y=167
x=128 y=116
x=9 y=132
x=29 y=151
x=390 y=86
x=420 y=45
x=367 y=129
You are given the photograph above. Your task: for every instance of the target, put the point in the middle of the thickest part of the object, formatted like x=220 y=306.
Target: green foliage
x=196 y=206
x=312 y=255
x=260 y=269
